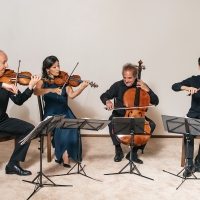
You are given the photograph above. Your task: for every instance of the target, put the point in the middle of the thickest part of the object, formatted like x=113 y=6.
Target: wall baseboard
x=153 y=136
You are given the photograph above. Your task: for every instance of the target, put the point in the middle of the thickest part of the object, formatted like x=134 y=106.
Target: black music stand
x=86 y=124
x=43 y=128
x=129 y=126
x=185 y=126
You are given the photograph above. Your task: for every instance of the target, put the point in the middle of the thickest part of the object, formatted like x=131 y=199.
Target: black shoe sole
x=12 y=173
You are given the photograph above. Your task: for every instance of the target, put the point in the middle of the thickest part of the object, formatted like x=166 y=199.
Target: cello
x=138 y=101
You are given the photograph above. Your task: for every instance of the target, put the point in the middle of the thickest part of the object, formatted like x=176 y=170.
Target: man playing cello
x=116 y=91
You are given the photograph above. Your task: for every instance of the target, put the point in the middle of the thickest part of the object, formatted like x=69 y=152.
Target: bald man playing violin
x=15 y=126
x=191 y=85
x=116 y=92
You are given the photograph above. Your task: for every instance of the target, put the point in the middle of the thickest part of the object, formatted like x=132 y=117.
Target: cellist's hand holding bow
x=142 y=85
x=109 y=105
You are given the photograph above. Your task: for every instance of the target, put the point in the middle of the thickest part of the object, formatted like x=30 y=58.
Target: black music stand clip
x=43 y=128
x=185 y=126
x=129 y=126
x=86 y=124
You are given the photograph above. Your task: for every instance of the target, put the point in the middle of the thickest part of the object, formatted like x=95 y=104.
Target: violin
x=23 y=78
x=74 y=80
x=12 y=77
x=137 y=100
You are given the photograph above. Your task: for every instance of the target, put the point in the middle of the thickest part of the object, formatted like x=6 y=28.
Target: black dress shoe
x=17 y=170
x=188 y=172
x=59 y=162
x=135 y=158
x=197 y=165
x=66 y=165
x=118 y=156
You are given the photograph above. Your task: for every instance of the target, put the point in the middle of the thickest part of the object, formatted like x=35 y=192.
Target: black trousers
x=189 y=150
x=116 y=142
x=21 y=129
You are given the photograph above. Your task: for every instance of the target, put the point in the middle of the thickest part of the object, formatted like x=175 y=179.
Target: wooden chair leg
x=49 y=147
x=15 y=141
x=183 y=154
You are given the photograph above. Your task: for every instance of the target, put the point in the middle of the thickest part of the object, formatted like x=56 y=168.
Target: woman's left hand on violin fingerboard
x=142 y=85
x=33 y=81
x=85 y=84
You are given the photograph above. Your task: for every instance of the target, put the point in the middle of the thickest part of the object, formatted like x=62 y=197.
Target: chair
x=5 y=137
x=183 y=151
x=41 y=110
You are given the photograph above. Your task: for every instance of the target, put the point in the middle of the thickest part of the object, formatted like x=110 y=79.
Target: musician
x=14 y=126
x=116 y=91
x=191 y=85
x=65 y=141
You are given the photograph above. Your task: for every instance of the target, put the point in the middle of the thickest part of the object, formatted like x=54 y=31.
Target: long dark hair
x=47 y=63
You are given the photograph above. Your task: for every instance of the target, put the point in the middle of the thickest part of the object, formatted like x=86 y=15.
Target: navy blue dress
x=63 y=139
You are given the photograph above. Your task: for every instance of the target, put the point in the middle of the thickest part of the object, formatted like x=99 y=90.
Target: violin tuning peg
x=93 y=84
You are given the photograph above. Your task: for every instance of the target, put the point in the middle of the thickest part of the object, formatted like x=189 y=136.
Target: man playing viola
x=116 y=92
x=14 y=126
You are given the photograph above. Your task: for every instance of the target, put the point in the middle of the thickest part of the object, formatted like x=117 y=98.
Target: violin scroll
x=93 y=84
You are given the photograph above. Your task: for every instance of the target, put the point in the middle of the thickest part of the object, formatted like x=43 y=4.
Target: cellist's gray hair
x=129 y=66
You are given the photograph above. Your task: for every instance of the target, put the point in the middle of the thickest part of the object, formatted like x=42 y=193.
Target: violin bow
x=69 y=76
x=17 y=73
x=132 y=107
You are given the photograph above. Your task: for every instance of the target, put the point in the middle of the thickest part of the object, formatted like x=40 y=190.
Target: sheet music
x=44 y=127
x=58 y=121
x=37 y=128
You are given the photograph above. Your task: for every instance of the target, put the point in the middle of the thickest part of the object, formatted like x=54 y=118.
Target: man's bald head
x=3 y=62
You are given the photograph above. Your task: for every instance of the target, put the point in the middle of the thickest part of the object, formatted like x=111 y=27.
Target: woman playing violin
x=14 y=126
x=64 y=141
x=116 y=91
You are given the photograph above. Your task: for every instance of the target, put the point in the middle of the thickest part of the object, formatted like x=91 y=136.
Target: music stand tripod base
x=38 y=131
x=184 y=126
x=130 y=126
x=87 y=124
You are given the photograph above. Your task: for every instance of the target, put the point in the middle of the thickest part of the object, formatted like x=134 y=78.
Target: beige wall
x=102 y=35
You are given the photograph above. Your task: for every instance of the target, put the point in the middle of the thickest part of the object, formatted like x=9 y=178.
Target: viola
x=137 y=100
x=74 y=80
